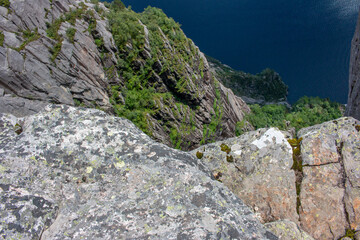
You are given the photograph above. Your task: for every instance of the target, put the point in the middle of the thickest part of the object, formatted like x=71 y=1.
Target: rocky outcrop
x=29 y=67
x=76 y=173
x=260 y=166
x=353 y=104
x=256 y=166
x=330 y=190
x=266 y=87
x=64 y=52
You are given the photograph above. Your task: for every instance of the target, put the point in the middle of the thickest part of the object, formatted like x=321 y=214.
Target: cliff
x=353 y=104
x=266 y=87
x=140 y=66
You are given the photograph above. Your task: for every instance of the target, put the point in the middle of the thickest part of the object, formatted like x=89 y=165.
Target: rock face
x=26 y=65
x=353 y=104
x=75 y=173
x=256 y=166
x=64 y=52
x=330 y=190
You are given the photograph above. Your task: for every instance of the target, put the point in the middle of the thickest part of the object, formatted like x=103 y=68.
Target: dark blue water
x=307 y=42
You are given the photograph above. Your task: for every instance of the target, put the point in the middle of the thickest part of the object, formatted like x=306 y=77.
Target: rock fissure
x=339 y=148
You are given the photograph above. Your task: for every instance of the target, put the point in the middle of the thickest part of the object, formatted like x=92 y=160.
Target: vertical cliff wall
x=353 y=104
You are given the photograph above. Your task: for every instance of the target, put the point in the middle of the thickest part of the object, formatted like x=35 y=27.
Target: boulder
x=256 y=166
x=76 y=173
x=330 y=189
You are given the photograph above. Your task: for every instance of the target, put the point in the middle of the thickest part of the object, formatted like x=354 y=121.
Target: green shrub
x=29 y=36
x=55 y=50
x=70 y=33
x=2 y=38
x=5 y=3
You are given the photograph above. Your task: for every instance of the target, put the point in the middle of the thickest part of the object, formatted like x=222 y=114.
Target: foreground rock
x=76 y=173
x=330 y=190
x=257 y=167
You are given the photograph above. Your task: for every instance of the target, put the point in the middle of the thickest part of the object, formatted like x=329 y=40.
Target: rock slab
x=257 y=168
x=76 y=173
x=330 y=190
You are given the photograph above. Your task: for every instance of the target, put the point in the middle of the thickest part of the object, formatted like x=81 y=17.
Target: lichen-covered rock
x=75 y=173
x=330 y=190
x=287 y=230
x=256 y=166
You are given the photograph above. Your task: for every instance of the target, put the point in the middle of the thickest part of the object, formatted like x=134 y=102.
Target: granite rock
x=76 y=173
x=330 y=193
x=257 y=168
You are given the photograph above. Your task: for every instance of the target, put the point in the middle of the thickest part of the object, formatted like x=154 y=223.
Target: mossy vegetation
x=297 y=167
x=225 y=148
x=350 y=233
x=70 y=33
x=229 y=158
x=29 y=36
x=151 y=45
x=199 y=155
x=5 y=3
x=2 y=39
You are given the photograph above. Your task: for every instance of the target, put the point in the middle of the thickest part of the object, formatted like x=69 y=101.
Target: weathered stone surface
x=76 y=73
x=76 y=173
x=20 y=107
x=258 y=170
x=322 y=212
x=353 y=104
x=330 y=193
x=287 y=230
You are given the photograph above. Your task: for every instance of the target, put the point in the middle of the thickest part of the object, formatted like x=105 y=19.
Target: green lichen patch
x=225 y=148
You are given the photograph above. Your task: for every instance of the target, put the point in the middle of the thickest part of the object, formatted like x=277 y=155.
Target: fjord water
x=307 y=42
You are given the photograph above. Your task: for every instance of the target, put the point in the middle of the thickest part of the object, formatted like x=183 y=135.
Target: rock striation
x=353 y=104
x=76 y=173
